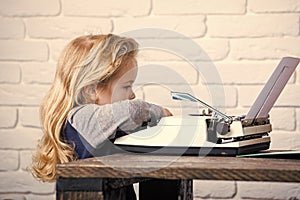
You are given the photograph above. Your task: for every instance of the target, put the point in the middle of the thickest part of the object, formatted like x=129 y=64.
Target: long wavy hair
x=86 y=60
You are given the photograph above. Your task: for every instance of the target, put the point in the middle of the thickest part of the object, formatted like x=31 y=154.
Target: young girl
x=90 y=103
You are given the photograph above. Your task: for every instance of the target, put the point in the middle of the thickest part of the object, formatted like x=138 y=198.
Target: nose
x=132 y=96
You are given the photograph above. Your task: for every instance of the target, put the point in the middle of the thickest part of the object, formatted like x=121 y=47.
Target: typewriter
x=213 y=132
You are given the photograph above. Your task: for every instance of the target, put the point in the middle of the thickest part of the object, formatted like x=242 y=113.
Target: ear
x=91 y=92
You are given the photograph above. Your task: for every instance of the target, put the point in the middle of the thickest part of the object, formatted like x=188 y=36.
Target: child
x=90 y=103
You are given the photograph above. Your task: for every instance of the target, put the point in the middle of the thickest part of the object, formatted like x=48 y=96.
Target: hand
x=167 y=113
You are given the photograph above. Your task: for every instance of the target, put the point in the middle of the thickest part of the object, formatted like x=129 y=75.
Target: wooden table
x=87 y=179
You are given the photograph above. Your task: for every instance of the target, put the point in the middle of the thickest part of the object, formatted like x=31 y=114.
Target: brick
x=167 y=49
x=159 y=55
x=284 y=140
x=264 y=48
x=253 y=26
x=230 y=100
x=213 y=49
x=29 y=8
x=22 y=94
x=12 y=197
x=218 y=96
x=8 y=117
x=10 y=73
x=38 y=72
x=268 y=190
x=246 y=100
x=184 y=50
x=208 y=72
x=56 y=47
x=245 y=72
x=113 y=8
x=214 y=189
x=156 y=72
x=26 y=159
x=297 y=73
x=10 y=160
x=296 y=141
x=24 y=182
x=283 y=119
x=274 y=6
x=30 y=117
x=298 y=119
x=14 y=50
x=236 y=111
x=66 y=27
x=40 y=197
x=199 y=7
x=288 y=97
x=19 y=138
x=194 y=28
x=160 y=94
x=12 y=28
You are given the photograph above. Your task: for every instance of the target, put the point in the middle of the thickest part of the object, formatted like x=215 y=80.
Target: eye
x=127 y=87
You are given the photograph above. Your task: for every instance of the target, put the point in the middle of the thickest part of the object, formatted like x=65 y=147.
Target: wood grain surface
x=183 y=167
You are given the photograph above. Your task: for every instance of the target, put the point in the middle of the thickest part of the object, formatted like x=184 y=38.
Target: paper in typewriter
x=271 y=91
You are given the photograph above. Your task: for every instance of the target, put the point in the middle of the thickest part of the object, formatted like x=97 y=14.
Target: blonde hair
x=86 y=60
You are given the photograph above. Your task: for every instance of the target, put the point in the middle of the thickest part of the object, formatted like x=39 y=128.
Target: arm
x=99 y=122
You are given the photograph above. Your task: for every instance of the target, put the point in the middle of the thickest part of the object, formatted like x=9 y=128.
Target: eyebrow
x=131 y=82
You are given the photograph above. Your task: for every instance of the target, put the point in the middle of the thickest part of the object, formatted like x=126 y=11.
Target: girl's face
x=121 y=87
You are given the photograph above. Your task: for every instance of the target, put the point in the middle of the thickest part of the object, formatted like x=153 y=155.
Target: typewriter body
x=213 y=132
x=199 y=135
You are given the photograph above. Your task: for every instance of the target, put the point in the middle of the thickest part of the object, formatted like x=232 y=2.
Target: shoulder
x=82 y=111
x=88 y=110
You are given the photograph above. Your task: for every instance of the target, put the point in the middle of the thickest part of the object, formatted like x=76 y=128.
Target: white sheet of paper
x=271 y=91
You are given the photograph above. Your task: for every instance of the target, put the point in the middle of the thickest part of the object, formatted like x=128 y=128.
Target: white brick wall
x=244 y=38
x=191 y=26
x=65 y=27
x=30 y=8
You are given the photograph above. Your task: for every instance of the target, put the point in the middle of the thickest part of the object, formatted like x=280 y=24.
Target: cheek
x=103 y=97
x=119 y=94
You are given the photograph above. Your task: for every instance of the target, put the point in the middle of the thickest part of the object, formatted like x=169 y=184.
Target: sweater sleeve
x=96 y=123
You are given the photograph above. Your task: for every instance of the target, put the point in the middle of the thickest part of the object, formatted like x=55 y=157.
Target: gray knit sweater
x=95 y=123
